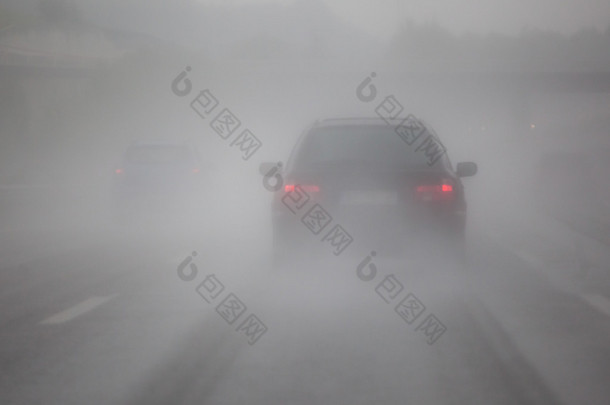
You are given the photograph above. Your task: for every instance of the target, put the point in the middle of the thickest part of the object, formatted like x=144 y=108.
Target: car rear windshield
x=157 y=154
x=378 y=147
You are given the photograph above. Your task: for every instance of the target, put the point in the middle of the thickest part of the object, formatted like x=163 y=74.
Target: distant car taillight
x=118 y=171
x=308 y=188
x=435 y=192
x=195 y=170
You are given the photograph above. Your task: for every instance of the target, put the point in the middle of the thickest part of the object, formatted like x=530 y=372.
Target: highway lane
x=102 y=317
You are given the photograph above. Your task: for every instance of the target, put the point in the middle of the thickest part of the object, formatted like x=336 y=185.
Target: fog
x=102 y=295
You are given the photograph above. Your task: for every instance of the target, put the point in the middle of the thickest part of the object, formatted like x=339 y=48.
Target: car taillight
x=195 y=170
x=308 y=188
x=435 y=192
x=118 y=171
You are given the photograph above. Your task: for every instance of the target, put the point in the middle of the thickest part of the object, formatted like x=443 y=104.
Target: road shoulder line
x=76 y=310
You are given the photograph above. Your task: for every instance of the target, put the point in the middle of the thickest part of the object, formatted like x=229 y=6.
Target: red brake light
x=196 y=170
x=308 y=188
x=435 y=192
x=118 y=171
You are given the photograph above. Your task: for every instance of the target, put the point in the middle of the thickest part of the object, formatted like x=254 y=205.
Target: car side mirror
x=466 y=169
x=264 y=167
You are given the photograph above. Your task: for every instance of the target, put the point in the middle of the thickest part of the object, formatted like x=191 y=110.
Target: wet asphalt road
x=100 y=315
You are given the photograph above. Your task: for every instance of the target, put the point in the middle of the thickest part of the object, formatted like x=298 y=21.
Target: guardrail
x=14 y=56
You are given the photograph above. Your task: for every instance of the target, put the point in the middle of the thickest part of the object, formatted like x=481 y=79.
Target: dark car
x=157 y=179
x=384 y=184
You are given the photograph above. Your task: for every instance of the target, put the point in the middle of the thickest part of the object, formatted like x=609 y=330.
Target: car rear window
x=375 y=146
x=157 y=154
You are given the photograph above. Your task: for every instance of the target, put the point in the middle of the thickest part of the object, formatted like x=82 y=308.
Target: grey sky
x=383 y=17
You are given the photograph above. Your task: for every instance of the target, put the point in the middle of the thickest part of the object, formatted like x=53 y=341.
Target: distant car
x=156 y=178
x=381 y=185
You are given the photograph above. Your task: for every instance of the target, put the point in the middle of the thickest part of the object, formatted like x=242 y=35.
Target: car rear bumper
x=383 y=230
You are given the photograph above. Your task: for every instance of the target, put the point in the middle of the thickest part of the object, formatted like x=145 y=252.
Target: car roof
x=372 y=121
x=192 y=149
x=158 y=143
x=367 y=121
x=349 y=121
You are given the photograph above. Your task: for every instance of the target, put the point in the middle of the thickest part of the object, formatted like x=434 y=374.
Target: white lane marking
x=76 y=310
x=520 y=253
x=526 y=257
x=598 y=302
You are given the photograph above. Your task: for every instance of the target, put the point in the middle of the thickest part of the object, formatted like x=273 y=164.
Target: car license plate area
x=371 y=197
